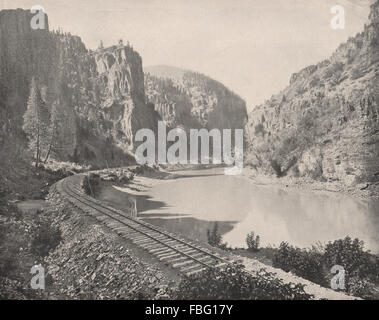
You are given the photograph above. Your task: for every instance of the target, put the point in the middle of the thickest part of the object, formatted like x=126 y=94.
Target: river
x=192 y=204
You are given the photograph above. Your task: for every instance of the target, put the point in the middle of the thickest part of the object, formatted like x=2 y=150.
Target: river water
x=192 y=204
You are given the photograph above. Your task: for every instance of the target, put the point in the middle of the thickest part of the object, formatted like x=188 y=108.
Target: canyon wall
x=324 y=125
x=101 y=93
x=102 y=96
x=192 y=100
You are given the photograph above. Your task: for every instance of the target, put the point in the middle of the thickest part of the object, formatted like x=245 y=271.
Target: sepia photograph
x=188 y=156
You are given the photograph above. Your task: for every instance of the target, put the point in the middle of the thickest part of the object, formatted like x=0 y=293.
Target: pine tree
x=58 y=120
x=36 y=122
x=62 y=130
x=214 y=238
x=52 y=129
x=62 y=133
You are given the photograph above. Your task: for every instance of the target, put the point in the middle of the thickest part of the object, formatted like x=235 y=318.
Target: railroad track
x=185 y=256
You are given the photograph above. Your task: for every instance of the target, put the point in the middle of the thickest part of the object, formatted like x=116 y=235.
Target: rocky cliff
x=120 y=71
x=192 y=100
x=101 y=92
x=22 y=54
x=324 y=125
x=102 y=96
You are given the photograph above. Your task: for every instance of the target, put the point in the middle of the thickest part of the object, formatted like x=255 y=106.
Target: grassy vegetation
x=25 y=238
x=45 y=238
x=24 y=241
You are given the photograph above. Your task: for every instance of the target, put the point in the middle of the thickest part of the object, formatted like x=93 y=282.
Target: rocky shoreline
x=363 y=191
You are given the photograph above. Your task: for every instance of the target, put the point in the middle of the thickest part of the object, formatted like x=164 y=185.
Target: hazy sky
x=252 y=46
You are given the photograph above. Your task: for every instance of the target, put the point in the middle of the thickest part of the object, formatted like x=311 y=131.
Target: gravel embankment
x=93 y=262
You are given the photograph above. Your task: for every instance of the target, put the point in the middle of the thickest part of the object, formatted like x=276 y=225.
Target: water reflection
x=191 y=227
x=192 y=205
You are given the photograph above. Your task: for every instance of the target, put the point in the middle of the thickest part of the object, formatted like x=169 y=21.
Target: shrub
x=357 y=73
x=142 y=169
x=126 y=177
x=300 y=90
x=12 y=237
x=45 y=238
x=303 y=263
x=350 y=254
x=360 y=287
x=361 y=267
x=276 y=167
x=7 y=261
x=214 y=238
x=334 y=70
x=232 y=283
x=314 y=82
x=90 y=184
x=252 y=241
x=259 y=129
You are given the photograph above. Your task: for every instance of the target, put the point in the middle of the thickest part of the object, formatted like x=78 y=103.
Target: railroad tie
x=186 y=256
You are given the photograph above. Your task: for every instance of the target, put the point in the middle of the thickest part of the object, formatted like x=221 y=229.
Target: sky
x=251 y=46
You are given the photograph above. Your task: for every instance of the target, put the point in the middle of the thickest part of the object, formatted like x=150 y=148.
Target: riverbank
x=363 y=191
x=275 y=211
x=175 y=216
x=254 y=261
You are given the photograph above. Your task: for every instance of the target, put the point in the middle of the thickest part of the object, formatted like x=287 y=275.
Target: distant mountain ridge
x=193 y=100
x=166 y=71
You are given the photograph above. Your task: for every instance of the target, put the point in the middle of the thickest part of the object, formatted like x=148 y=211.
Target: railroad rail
x=185 y=255
x=182 y=254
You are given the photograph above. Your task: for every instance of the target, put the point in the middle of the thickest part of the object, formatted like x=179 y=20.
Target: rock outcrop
x=22 y=54
x=120 y=71
x=100 y=95
x=324 y=125
x=101 y=92
x=192 y=100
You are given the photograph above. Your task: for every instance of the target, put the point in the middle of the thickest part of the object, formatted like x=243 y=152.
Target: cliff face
x=124 y=105
x=21 y=55
x=192 y=100
x=325 y=123
x=101 y=93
